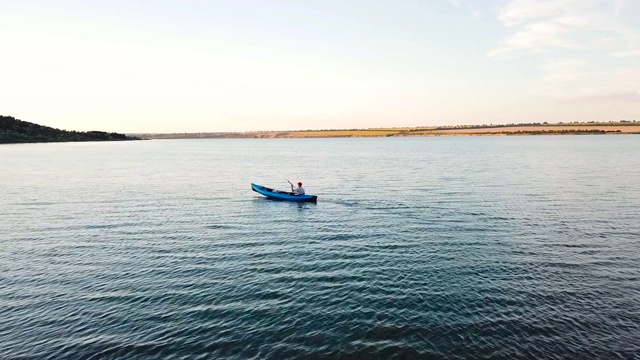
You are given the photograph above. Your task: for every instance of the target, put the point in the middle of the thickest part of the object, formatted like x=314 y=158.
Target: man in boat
x=299 y=190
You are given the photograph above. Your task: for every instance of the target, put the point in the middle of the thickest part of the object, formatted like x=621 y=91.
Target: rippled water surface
x=492 y=247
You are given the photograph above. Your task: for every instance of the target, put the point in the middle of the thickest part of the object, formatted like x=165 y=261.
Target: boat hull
x=282 y=195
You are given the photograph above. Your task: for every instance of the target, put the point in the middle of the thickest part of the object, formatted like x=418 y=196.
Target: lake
x=434 y=247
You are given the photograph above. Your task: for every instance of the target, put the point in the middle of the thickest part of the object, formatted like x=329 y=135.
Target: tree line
x=14 y=131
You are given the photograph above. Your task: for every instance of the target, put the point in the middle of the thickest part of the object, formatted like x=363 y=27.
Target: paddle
x=290 y=184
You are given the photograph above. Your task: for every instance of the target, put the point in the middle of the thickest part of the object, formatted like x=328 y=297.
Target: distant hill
x=14 y=131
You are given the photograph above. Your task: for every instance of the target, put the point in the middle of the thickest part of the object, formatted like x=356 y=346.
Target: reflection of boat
x=282 y=195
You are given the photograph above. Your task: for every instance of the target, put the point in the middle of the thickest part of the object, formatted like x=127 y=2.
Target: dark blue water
x=456 y=247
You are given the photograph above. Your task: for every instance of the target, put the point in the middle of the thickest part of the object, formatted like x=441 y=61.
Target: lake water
x=439 y=247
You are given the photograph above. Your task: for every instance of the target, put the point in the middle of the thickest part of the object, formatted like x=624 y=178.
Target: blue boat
x=282 y=195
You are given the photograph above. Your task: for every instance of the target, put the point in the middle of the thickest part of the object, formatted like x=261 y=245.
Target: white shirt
x=300 y=190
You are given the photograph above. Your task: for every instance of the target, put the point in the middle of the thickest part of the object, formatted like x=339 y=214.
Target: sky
x=137 y=66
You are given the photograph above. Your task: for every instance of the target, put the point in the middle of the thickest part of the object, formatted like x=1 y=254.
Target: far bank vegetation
x=13 y=131
x=574 y=128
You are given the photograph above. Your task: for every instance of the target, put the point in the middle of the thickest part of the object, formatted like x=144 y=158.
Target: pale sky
x=200 y=66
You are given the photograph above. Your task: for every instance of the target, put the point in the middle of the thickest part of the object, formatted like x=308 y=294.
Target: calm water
x=493 y=247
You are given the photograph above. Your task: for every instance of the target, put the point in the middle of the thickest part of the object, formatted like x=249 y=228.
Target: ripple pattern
x=443 y=248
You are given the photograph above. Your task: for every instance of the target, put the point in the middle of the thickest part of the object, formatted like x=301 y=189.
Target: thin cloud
x=562 y=71
x=629 y=53
x=520 y=11
x=455 y=3
x=604 y=97
x=619 y=5
x=470 y=7
x=544 y=26
x=477 y=12
x=540 y=37
x=587 y=29
x=574 y=81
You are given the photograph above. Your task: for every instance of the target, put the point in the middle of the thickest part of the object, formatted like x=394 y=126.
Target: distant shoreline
x=14 y=131
x=624 y=127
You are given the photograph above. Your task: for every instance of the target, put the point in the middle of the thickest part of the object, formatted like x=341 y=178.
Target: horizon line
x=426 y=127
